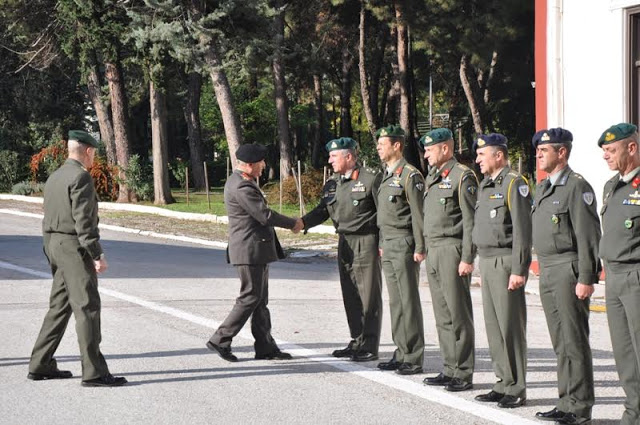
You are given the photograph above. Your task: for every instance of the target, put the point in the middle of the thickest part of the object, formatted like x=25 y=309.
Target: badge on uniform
x=472 y=189
x=628 y=223
x=358 y=187
x=420 y=186
x=496 y=196
x=355 y=202
x=444 y=186
x=523 y=189
x=635 y=195
x=588 y=197
x=493 y=213
x=555 y=219
x=395 y=182
x=443 y=201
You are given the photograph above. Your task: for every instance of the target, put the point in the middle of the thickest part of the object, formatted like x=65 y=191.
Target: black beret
x=552 y=135
x=83 y=137
x=493 y=139
x=251 y=153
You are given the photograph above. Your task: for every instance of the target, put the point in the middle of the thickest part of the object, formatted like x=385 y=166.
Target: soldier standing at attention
x=349 y=198
x=253 y=244
x=449 y=205
x=620 y=252
x=72 y=247
x=566 y=234
x=402 y=250
x=502 y=233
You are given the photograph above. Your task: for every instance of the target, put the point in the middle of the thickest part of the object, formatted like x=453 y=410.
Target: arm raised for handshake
x=298 y=226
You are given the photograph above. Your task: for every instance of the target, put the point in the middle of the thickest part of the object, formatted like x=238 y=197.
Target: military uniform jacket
x=566 y=225
x=71 y=207
x=350 y=202
x=620 y=243
x=502 y=223
x=252 y=239
x=400 y=204
x=449 y=205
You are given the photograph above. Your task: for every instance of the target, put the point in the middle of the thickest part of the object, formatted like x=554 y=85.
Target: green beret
x=83 y=137
x=341 y=143
x=617 y=132
x=394 y=131
x=436 y=136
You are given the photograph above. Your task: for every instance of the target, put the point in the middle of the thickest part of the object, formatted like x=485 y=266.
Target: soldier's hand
x=418 y=257
x=584 y=291
x=516 y=282
x=465 y=268
x=298 y=226
x=101 y=265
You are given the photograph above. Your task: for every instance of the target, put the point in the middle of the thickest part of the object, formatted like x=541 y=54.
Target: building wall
x=586 y=60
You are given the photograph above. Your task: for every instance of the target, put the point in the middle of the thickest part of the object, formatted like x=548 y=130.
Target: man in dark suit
x=72 y=247
x=253 y=244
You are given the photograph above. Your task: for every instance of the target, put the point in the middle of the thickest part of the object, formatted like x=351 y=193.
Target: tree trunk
x=346 y=130
x=280 y=91
x=317 y=157
x=473 y=98
x=120 y=127
x=192 y=118
x=393 y=82
x=159 y=144
x=364 y=80
x=94 y=87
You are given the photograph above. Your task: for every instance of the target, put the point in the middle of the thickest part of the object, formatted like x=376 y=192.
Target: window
x=634 y=67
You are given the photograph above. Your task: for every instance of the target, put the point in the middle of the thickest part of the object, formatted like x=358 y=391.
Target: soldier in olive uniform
x=253 y=244
x=72 y=247
x=402 y=249
x=502 y=233
x=620 y=252
x=449 y=203
x=349 y=198
x=566 y=234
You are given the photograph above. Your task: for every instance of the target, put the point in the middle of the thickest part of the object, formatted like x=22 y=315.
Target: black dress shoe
x=224 y=352
x=363 y=356
x=441 y=379
x=511 y=401
x=409 y=369
x=458 y=384
x=54 y=374
x=572 y=419
x=490 y=397
x=348 y=351
x=274 y=355
x=392 y=364
x=107 y=380
x=551 y=415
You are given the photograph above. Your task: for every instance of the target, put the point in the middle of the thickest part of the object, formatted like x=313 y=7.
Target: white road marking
x=388 y=379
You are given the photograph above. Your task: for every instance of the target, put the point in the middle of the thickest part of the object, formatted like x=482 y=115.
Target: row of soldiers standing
x=449 y=218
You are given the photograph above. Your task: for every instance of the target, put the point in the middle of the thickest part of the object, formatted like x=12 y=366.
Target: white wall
x=586 y=78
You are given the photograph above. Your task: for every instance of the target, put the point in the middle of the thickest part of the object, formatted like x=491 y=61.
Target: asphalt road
x=163 y=299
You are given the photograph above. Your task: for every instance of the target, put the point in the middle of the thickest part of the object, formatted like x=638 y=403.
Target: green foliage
x=27 y=188
x=10 y=171
x=179 y=168
x=139 y=177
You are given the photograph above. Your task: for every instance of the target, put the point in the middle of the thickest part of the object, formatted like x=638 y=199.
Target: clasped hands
x=298 y=226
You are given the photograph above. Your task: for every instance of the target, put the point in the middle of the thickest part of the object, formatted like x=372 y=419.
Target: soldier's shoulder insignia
x=472 y=189
x=588 y=197
x=420 y=186
x=523 y=190
x=578 y=176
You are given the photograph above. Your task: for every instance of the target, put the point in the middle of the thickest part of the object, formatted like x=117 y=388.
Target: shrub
x=179 y=169
x=9 y=169
x=311 y=189
x=139 y=178
x=104 y=179
x=27 y=188
x=47 y=161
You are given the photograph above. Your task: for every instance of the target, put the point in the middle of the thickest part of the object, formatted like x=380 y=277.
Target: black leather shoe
x=551 y=415
x=409 y=369
x=572 y=419
x=348 y=351
x=224 y=352
x=392 y=364
x=105 y=381
x=458 y=384
x=363 y=356
x=54 y=374
x=490 y=397
x=441 y=379
x=511 y=401
x=274 y=355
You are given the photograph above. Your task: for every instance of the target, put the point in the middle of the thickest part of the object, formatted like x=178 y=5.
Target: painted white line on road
x=388 y=379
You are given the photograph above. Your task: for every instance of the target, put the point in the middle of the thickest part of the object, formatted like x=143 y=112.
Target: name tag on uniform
x=496 y=196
